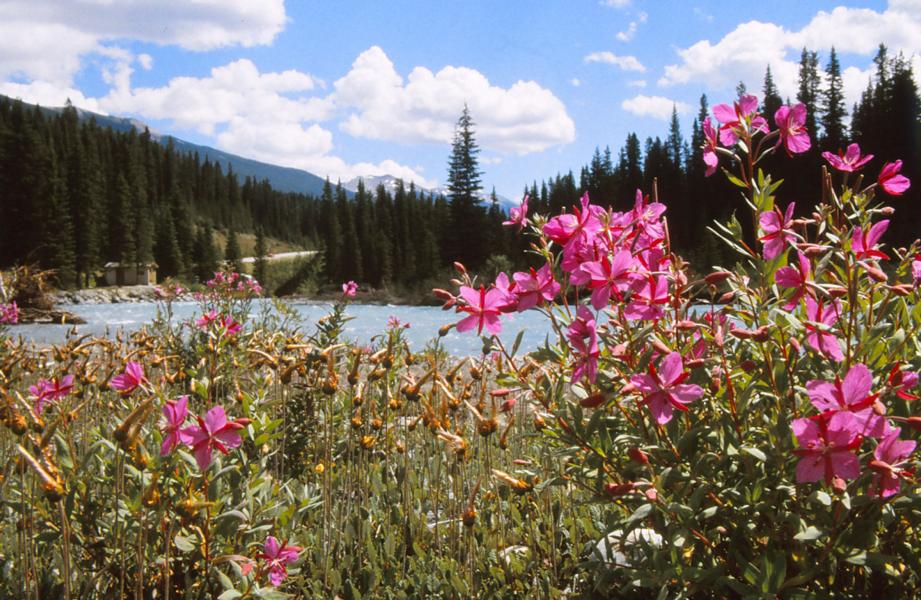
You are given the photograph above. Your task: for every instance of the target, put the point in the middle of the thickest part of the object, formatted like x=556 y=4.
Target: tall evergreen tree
x=833 y=110
x=259 y=268
x=464 y=185
x=772 y=100
x=808 y=91
x=232 y=254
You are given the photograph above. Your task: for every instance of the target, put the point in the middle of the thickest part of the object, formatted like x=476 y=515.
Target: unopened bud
x=660 y=347
x=901 y=289
x=445 y=330
x=500 y=392
x=748 y=365
x=593 y=401
x=652 y=495
x=694 y=363
x=886 y=211
x=616 y=490
x=913 y=423
x=837 y=291
x=762 y=334
x=687 y=325
x=877 y=274
x=637 y=456
x=443 y=294
x=796 y=345
x=726 y=298
x=460 y=268
x=717 y=277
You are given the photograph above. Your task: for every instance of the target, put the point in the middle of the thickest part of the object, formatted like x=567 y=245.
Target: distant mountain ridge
x=283 y=179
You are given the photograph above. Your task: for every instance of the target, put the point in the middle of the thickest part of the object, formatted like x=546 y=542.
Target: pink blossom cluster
x=169 y=291
x=234 y=284
x=349 y=289
x=213 y=432
x=9 y=313
x=277 y=557
x=226 y=325
x=851 y=413
x=47 y=391
x=129 y=380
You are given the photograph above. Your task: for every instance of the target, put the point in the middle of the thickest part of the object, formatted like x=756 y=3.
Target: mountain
x=390 y=183
x=283 y=179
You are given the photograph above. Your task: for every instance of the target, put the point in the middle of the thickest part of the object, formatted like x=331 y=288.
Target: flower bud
x=887 y=211
x=687 y=325
x=913 y=423
x=443 y=294
x=500 y=392
x=660 y=347
x=837 y=291
x=460 y=268
x=726 y=298
x=652 y=495
x=900 y=289
x=876 y=274
x=638 y=456
x=694 y=363
x=615 y=490
x=717 y=277
x=445 y=330
x=748 y=365
x=593 y=401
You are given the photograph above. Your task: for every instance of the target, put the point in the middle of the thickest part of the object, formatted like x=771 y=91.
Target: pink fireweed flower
x=229 y=326
x=349 y=289
x=796 y=277
x=890 y=455
x=646 y=218
x=791 y=122
x=853 y=396
x=484 y=308
x=583 y=337
x=848 y=161
x=518 y=215
x=508 y=290
x=609 y=277
x=207 y=319
x=916 y=270
x=901 y=381
x=664 y=389
x=576 y=232
x=777 y=230
x=214 y=432
x=820 y=339
x=534 y=287
x=128 y=381
x=9 y=313
x=711 y=160
x=826 y=448
x=863 y=243
x=649 y=295
x=175 y=413
x=736 y=119
x=891 y=181
x=47 y=391
x=277 y=558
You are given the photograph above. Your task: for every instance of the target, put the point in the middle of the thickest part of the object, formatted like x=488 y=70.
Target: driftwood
x=31 y=289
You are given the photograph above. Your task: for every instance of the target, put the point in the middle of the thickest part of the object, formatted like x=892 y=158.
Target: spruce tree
x=259 y=268
x=464 y=185
x=808 y=92
x=833 y=110
x=772 y=100
x=232 y=254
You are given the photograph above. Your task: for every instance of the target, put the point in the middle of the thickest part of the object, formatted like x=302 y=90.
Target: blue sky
x=367 y=88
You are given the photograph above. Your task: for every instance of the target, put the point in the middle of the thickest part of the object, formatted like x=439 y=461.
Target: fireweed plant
x=751 y=433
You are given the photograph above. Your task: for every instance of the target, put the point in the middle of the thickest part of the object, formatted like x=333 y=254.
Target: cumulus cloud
x=657 y=107
x=615 y=3
x=380 y=105
x=743 y=53
x=625 y=62
x=45 y=40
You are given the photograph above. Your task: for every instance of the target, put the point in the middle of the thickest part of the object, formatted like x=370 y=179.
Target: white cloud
x=615 y=3
x=575 y=82
x=381 y=105
x=146 y=61
x=637 y=83
x=743 y=53
x=627 y=34
x=45 y=40
x=657 y=107
x=625 y=62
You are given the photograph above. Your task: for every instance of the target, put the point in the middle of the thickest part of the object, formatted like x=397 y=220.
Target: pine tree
x=833 y=110
x=259 y=268
x=464 y=186
x=808 y=92
x=332 y=235
x=772 y=100
x=232 y=254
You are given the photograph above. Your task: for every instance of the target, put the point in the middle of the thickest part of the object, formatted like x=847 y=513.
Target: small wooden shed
x=131 y=274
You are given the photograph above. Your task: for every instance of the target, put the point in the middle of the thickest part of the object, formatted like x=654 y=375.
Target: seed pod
x=717 y=277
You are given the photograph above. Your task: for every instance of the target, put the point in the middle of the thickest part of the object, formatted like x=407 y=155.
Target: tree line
x=75 y=195
x=886 y=122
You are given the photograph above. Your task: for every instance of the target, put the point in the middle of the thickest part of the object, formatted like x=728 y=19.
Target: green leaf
x=184 y=543
x=809 y=534
x=755 y=452
x=229 y=595
x=640 y=513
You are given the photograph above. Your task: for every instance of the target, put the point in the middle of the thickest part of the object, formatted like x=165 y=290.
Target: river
x=367 y=321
